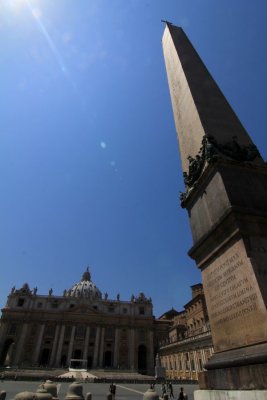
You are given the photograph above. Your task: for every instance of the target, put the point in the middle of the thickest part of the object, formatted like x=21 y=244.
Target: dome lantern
x=86 y=275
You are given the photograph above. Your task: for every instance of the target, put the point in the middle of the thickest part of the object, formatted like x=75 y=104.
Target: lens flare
x=16 y=5
x=36 y=13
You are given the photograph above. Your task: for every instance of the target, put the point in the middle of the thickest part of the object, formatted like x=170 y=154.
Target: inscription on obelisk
x=234 y=300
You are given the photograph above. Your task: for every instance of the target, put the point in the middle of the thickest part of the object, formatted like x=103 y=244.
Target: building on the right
x=189 y=344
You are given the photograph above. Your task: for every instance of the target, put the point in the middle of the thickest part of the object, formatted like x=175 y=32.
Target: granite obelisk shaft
x=198 y=104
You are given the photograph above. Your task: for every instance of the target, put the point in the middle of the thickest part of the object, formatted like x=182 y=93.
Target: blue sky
x=89 y=164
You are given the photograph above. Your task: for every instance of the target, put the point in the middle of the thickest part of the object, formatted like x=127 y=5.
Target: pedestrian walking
x=182 y=395
x=171 y=390
x=163 y=389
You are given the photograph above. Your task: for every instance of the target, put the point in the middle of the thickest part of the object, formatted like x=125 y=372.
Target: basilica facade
x=81 y=325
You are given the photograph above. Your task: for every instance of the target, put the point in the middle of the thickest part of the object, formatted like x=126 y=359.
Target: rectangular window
x=92 y=332
x=49 y=331
x=80 y=332
x=142 y=335
x=20 y=302
x=33 y=330
x=68 y=332
x=12 y=329
x=141 y=310
x=109 y=333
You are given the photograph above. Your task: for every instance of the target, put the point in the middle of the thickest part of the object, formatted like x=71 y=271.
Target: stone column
x=101 y=351
x=71 y=345
x=203 y=356
x=95 y=358
x=196 y=362
x=116 y=348
x=203 y=359
x=59 y=349
x=183 y=362
x=178 y=356
x=178 y=364
x=132 y=349
x=3 y=334
x=151 y=358
x=20 y=344
x=37 y=349
x=3 y=331
x=190 y=365
x=51 y=361
x=86 y=340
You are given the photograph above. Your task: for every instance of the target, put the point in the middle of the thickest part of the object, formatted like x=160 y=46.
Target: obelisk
x=226 y=199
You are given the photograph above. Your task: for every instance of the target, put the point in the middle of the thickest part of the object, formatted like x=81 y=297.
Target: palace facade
x=189 y=343
x=58 y=331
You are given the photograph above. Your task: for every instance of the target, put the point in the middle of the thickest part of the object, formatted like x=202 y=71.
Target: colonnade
x=186 y=364
x=56 y=349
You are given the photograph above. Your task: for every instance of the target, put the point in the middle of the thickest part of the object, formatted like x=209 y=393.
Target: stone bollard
x=42 y=394
x=151 y=394
x=109 y=396
x=51 y=387
x=2 y=395
x=88 y=396
x=25 y=396
x=75 y=392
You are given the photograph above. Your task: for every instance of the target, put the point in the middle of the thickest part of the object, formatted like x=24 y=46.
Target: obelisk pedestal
x=226 y=200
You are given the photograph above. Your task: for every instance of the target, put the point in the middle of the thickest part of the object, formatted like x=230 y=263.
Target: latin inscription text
x=230 y=297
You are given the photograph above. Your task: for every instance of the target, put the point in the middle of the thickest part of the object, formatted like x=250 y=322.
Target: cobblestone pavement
x=99 y=391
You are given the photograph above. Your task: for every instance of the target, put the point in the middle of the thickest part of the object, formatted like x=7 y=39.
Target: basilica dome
x=85 y=288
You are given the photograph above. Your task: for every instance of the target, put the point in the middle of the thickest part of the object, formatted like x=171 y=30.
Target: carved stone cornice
x=210 y=152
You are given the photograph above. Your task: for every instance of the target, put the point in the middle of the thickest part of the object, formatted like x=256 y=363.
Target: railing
x=168 y=343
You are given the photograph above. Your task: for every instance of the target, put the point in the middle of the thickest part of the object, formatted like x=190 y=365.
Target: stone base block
x=247 y=377
x=230 y=395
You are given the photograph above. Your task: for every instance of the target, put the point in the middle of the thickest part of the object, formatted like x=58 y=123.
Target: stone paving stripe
x=58 y=388
x=131 y=390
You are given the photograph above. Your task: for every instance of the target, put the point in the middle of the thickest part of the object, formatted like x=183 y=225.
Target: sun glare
x=16 y=5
